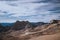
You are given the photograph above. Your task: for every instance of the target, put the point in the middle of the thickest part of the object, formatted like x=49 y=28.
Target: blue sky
x=31 y=10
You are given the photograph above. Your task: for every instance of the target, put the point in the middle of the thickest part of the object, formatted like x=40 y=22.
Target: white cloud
x=24 y=8
x=21 y=9
x=7 y=21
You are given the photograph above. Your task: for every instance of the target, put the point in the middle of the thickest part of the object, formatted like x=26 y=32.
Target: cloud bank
x=31 y=10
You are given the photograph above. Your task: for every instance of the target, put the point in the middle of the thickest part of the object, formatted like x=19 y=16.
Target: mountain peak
x=20 y=25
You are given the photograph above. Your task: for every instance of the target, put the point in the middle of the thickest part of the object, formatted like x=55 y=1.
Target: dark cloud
x=14 y=4
x=55 y=9
x=6 y=15
x=56 y=12
x=5 y=12
x=45 y=1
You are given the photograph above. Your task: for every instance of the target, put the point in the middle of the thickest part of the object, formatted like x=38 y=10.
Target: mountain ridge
x=30 y=31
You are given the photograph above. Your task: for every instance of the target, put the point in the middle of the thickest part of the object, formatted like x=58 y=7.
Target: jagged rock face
x=55 y=21
x=25 y=25
x=20 y=25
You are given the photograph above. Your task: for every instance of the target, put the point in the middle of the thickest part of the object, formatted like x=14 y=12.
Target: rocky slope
x=47 y=37
x=24 y=30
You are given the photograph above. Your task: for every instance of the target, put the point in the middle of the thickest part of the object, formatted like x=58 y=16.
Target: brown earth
x=48 y=37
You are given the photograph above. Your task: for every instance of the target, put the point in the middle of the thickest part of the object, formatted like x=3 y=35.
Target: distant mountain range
x=7 y=24
x=33 y=23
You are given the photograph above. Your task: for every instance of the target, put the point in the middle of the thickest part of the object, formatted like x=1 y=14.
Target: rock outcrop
x=55 y=21
x=18 y=25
